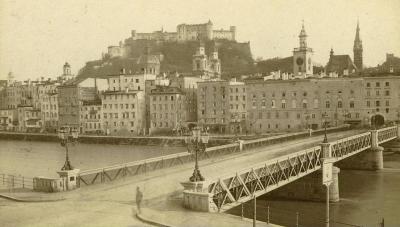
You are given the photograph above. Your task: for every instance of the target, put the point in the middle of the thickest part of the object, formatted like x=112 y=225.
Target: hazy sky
x=37 y=37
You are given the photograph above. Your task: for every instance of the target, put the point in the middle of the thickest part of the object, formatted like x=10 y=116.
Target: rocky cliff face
x=235 y=57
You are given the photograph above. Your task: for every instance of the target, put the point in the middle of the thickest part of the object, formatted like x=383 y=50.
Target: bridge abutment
x=310 y=188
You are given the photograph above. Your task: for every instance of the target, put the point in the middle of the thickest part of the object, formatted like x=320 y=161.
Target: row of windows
x=165 y=124
x=115 y=115
x=90 y=108
x=121 y=106
x=160 y=106
x=166 y=98
x=93 y=125
x=46 y=107
x=166 y=115
x=126 y=80
x=121 y=96
x=285 y=115
x=90 y=116
x=378 y=103
x=378 y=84
x=47 y=114
x=122 y=123
x=377 y=93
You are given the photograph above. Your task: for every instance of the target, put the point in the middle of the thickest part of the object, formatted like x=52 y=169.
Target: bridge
x=233 y=174
x=227 y=191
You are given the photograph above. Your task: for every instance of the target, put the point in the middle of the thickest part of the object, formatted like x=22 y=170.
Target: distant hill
x=236 y=58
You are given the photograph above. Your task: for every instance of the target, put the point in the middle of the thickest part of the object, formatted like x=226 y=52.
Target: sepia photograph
x=211 y=113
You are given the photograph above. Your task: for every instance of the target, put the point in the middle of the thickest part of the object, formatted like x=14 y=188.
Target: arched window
x=283 y=104
x=304 y=104
x=340 y=104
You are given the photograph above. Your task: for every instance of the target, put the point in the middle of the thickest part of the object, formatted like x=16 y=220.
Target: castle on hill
x=184 y=32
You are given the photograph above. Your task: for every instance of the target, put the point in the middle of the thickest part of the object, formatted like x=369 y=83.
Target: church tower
x=302 y=57
x=200 y=61
x=358 y=50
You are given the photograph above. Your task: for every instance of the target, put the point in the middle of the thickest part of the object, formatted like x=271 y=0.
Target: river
x=33 y=158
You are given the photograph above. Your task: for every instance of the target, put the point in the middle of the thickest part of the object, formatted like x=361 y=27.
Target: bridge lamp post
x=67 y=135
x=324 y=116
x=196 y=143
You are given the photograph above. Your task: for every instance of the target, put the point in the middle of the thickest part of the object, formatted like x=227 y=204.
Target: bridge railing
x=8 y=181
x=290 y=136
x=351 y=145
x=386 y=134
x=111 y=173
x=233 y=189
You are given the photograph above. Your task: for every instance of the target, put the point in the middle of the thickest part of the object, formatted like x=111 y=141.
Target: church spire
x=358 y=49
x=303 y=36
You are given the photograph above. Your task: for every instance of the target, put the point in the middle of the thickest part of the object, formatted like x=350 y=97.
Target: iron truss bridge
x=111 y=173
x=232 y=190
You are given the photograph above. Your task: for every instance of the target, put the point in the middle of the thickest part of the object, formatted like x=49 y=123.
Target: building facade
x=124 y=112
x=91 y=116
x=168 y=110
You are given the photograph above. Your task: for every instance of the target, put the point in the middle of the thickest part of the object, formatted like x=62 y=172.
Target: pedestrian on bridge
x=139 y=198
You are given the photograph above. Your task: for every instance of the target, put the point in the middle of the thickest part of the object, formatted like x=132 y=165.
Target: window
x=378 y=84
x=304 y=104
x=340 y=104
x=283 y=104
x=327 y=104
x=387 y=84
x=387 y=93
x=368 y=85
x=351 y=104
x=377 y=93
x=368 y=93
x=387 y=103
x=377 y=103
x=368 y=103
x=273 y=104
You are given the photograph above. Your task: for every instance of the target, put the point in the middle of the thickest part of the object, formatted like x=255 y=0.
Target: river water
x=33 y=158
x=366 y=196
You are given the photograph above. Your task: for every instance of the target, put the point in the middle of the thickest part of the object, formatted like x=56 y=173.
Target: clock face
x=299 y=61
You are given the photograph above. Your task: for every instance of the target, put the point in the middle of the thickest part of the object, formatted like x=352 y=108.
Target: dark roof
x=338 y=63
x=166 y=90
x=275 y=64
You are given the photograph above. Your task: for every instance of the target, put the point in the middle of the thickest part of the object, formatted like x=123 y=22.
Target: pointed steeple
x=358 y=49
x=303 y=37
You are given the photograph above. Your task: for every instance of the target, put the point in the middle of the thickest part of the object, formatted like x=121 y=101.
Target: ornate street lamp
x=195 y=144
x=67 y=135
x=325 y=123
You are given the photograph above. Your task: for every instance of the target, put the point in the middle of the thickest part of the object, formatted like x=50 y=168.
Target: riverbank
x=172 y=141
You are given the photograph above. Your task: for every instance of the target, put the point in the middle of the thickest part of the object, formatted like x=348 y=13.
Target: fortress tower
x=358 y=50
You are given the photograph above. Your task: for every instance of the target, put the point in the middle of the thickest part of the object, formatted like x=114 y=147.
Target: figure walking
x=139 y=197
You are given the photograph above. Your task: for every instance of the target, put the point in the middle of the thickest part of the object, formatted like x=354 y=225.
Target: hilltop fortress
x=184 y=32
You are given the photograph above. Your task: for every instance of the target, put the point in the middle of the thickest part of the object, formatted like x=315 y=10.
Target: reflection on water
x=32 y=158
x=366 y=198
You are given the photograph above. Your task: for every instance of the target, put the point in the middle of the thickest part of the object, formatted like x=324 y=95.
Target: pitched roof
x=339 y=63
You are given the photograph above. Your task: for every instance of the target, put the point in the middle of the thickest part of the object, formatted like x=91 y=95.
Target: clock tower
x=302 y=57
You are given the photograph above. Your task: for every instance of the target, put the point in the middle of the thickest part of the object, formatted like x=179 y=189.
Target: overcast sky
x=37 y=37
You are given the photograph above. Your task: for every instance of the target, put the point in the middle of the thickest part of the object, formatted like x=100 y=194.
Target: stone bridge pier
x=371 y=159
